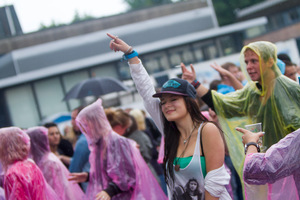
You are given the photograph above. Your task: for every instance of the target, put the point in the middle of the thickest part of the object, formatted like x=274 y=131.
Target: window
x=156 y=62
x=255 y=31
x=175 y=59
x=293 y=16
x=198 y=52
x=21 y=106
x=49 y=94
x=205 y=50
x=210 y=51
x=228 y=45
x=276 y=22
x=181 y=54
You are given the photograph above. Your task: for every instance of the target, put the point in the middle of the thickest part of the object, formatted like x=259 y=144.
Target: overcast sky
x=32 y=13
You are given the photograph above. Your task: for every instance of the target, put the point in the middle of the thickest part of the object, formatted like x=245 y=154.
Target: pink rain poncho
x=23 y=180
x=55 y=172
x=278 y=170
x=115 y=159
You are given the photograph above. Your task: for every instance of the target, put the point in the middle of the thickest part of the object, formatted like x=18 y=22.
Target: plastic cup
x=255 y=128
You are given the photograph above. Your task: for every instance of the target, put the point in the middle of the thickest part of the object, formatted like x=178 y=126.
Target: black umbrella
x=95 y=87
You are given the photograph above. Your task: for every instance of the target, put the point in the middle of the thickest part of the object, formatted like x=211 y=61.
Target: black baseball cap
x=177 y=86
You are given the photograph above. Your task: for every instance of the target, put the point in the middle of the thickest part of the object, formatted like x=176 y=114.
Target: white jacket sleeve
x=215 y=182
x=146 y=89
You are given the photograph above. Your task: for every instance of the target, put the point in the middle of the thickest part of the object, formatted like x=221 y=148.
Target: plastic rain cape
x=276 y=105
x=54 y=171
x=279 y=167
x=2 y=195
x=23 y=179
x=116 y=159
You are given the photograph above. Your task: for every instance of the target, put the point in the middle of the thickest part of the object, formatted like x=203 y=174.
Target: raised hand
x=223 y=72
x=116 y=44
x=227 y=75
x=188 y=75
x=248 y=136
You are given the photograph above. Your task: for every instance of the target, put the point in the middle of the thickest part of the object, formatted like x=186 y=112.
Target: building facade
x=37 y=70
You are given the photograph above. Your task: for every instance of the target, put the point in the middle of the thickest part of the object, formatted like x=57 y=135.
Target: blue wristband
x=129 y=56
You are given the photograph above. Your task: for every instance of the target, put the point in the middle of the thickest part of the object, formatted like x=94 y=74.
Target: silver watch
x=251 y=143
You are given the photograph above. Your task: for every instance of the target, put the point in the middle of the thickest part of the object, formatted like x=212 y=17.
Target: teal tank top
x=192 y=170
x=184 y=162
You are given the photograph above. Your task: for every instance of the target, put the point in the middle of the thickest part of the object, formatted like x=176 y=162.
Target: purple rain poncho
x=278 y=169
x=55 y=172
x=116 y=159
x=2 y=195
x=1 y=175
x=23 y=180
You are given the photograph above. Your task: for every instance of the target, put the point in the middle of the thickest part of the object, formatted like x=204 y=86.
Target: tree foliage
x=76 y=18
x=226 y=9
x=139 y=4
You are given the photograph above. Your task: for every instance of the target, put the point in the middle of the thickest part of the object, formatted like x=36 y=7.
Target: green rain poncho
x=276 y=105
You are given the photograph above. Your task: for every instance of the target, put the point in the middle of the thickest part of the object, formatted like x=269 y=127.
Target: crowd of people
x=193 y=145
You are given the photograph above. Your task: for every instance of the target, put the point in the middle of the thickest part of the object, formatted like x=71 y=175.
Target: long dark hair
x=172 y=136
x=188 y=189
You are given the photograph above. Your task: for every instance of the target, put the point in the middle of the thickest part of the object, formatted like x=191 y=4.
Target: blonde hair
x=14 y=145
x=139 y=118
x=117 y=117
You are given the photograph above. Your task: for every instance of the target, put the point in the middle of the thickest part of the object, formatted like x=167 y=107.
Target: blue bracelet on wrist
x=129 y=56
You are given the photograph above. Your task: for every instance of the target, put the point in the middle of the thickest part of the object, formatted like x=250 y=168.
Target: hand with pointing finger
x=116 y=44
x=249 y=136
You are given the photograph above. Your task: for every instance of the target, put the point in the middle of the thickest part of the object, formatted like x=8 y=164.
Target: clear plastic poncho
x=23 y=179
x=54 y=171
x=279 y=168
x=276 y=105
x=116 y=159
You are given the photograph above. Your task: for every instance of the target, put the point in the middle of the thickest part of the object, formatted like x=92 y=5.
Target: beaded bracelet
x=196 y=83
x=129 y=50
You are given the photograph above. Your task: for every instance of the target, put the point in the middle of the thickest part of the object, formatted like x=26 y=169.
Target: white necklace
x=184 y=141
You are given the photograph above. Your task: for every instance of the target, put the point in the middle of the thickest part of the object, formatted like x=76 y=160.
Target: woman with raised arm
x=194 y=148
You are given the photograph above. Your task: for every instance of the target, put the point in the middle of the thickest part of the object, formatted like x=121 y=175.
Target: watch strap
x=251 y=143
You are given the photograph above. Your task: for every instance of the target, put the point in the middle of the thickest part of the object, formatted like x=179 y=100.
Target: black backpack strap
x=201 y=138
